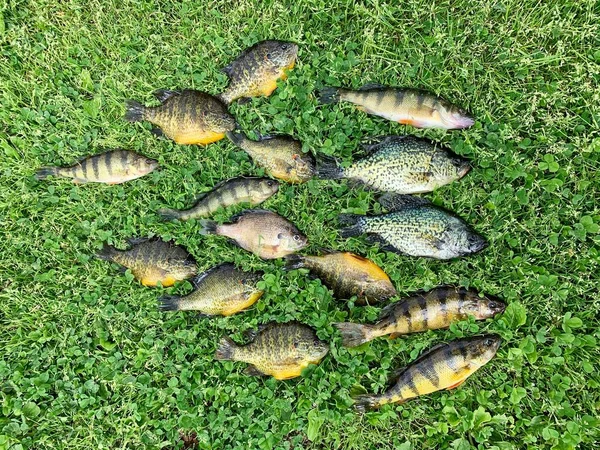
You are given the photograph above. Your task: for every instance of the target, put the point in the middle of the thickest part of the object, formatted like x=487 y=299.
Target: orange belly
x=197 y=137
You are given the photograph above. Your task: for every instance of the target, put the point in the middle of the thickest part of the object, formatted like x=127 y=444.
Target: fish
x=227 y=193
x=220 y=291
x=406 y=106
x=281 y=156
x=401 y=165
x=256 y=71
x=423 y=311
x=445 y=366
x=281 y=350
x=347 y=275
x=187 y=117
x=264 y=233
x=415 y=227
x=153 y=261
x=112 y=167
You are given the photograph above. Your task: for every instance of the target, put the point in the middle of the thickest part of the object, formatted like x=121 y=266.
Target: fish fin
x=455 y=385
x=387 y=310
x=134 y=111
x=377 y=141
x=138 y=240
x=363 y=403
x=353 y=334
x=329 y=95
x=163 y=95
x=156 y=131
x=250 y=335
x=228 y=69
x=208 y=227
x=236 y=138
x=395 y=335
x=198 y=278
x=353 y=229
x=243 y=100
x=293 y=262
x=253 y=371
x=226 y=349
x=369 y=86
x=383 y=244
x=45 y=172
x=329 y=168
x=236 y=217
x=349 y=219
x=107 y=253
x=169 y=303
x=168 y=214
x=395 y=202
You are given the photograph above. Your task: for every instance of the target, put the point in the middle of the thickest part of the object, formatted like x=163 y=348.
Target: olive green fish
x=153 y=260
x=281 y=350
x=402 y=165
x=264 y=233
x=415 y=227
x=222 y=290
x=227 y=193
x=281 y=156
x=445 y=366
x=407 y=106
x=256 y=71
x=113 y=167
x=421 y=312
x=347 y=275
x=187 y=117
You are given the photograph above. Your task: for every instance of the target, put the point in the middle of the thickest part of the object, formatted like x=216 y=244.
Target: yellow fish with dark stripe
x=220 y=291
x=113 y=167
x=445 y=366
x=187 y=117
x=153 y=261
x=423 y=311
x=406 y=106
x=256 y=71
x=282 y=350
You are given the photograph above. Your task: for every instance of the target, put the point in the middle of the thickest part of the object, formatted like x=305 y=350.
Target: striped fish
x=113 y=167
x=187 y=117
x=421 y=312
x=407 y=106
x=227 y=193
x=445 y=366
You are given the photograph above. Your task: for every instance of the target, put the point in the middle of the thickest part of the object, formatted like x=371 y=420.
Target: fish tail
x=354 y=334
x=208 y=227
x=169 y=214
x=353 y=228
x=226 y=349
x=135 y=111
x=237 y=138
x=107 y=253
x=329 y=95
x=169 y=303
x=329 y=169
x=293 y=262
x=45 y=172
x=364 y=403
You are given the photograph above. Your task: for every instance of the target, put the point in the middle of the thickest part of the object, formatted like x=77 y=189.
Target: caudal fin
x=293 y=262
x=208 y=227
x=237 y=138
x=169 y=303
x=226 y=349
x=364 y=403
x=45 y=172
x=353 y=334
x=328 y=168
x=107 y=253
x=354 y=228
x=329 y=95
x=168 y=214
x=134 y=111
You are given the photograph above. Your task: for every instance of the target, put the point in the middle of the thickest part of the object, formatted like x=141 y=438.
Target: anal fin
x=455 y=385
x=254 y=372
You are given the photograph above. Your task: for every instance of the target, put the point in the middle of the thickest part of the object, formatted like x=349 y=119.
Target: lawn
x=88 y=361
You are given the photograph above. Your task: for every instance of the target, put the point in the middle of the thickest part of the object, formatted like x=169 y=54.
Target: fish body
x=264 y=233
x=445 y=366
x=222 y=290
x=187 y=117
x=256 y=71
x=152 y=261
x=113 y=167
x=228 y=193
x=406 y=106
x=281 y=156
x=281 y=350
x=423 y=311
x=347 y=275
x=416 y=228
x=402 y=165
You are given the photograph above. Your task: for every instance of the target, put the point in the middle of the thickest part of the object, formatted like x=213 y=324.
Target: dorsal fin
x=164 y=94
x=368 y=86
x=228 y=69
x=237 y=217
x=379 y=141
x=132 y=241
x=200 y=277
x=395 y=202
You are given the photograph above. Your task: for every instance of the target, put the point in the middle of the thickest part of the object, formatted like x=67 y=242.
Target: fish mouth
x=464 y=169
x=459 y=121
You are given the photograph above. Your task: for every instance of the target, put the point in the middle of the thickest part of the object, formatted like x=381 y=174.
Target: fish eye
x=269 y=56
x=493 y=305
x=270 y=183
x=149 y=161
x=280 y=236
x=488 y=342
x=296 y=237
x=284 y=46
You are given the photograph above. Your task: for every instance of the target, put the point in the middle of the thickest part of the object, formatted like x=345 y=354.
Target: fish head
x=304 y=167
x=220 y=121
x=461 y=166
x=314 y=350
x=483 y=348
x=481 y=307
x=264 y=189
x=447 y=168
x=144 y=165
x=182 y=270
x=454 y=117
x=280 y=54
x=460 y=240
x=291 y=239
x=250 y=279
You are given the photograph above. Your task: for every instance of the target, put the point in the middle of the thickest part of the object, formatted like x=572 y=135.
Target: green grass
x=87 y=360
